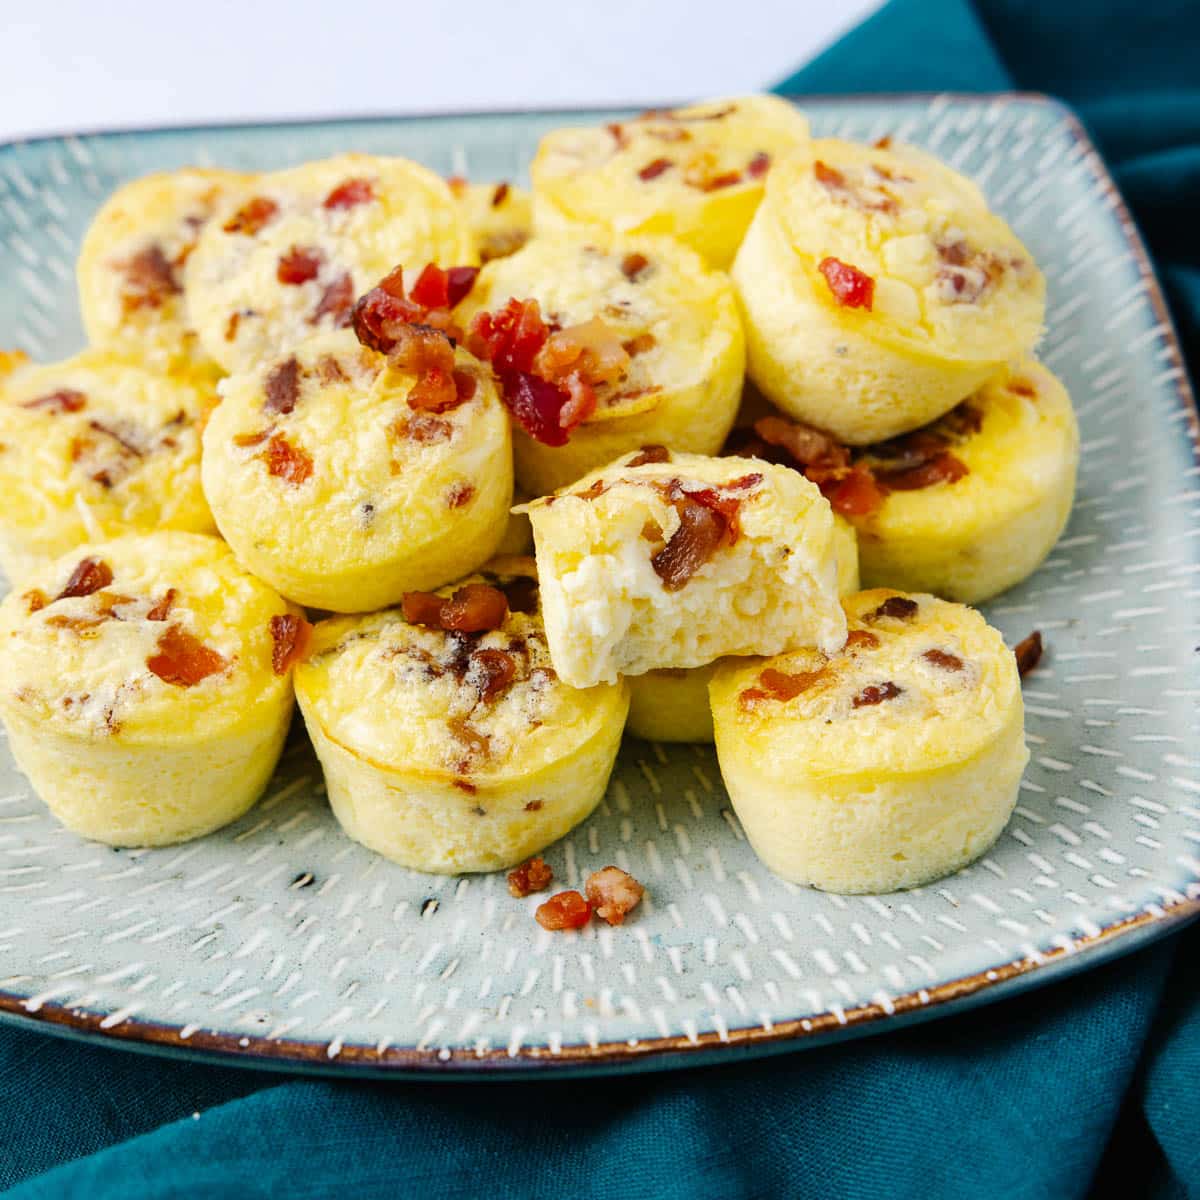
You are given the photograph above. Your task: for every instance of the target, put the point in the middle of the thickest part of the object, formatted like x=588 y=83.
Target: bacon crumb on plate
x=535 y=875
x=613 y=894
x=564 y=910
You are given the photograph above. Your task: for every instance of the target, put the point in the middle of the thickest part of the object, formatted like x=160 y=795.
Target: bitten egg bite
x=147 y=686
x=671 y=704
x=287 y=255
x=499 y=216
x=693 y=173
x=131 y=266
x=331 y=481
x=94 y=447
x=672 y=560
x=878 y=291
x=970 y=537
x=885 y=765
x=447 y=740
x=666 y=325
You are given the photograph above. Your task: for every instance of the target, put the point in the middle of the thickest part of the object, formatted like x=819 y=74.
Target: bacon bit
x=591 y=350
x=781 y=685
x=856 y=494
x=287 y=462
x=522 y=593
x=882 y=143
x=613 y=894
x=299 y=265
x=652 y=170
x=457 y=184
x=829 y=177
x=350 y=194
x=851 y=287
x=650 y=454
x=336 y=301
x=510 y=338
x=861 y=637
x=962 y=420
x=632 y=265
x=807 y=446
x=291 y=637
x=75 y=624
x=1028 y=652
x=149 y=279
x=900 y=608
x=943 y=468
x=182 y=659
x=460 y=494
x=500 y=195
x=423 y=429
x=231 y=326
x=534 y=806
x=381 y=314
x=252 y=216
x=90 y=575
x=876 y=693
x=431 y=289
x=329 y=370
x=464 y=384
x=459 y=282
x=714 y=183
x=250 y=439
x=537 y=407
x=565 y=910
x=640 y=344
x=433 y=391
x=282 y=387
x=701 y=531
x=65 y=400
x=474 y=608
x=943 y=659
x=492 y=672
x=476 y=744
x=532 y=876
x=1016 y=385
x=759 y=165
x=162 y=608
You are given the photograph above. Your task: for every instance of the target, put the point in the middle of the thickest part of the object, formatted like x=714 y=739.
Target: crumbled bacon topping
x=509 y=338
x=459 y=494
x=65 y=400
x=336 y=302
x=182 y=659
x=282 y=387
x=90 y=575
x=650 y=454
x=876 y=693
x=162 y=608
x=299 y=265
x=252 y=216
x=290 y=463
x=291 y=636
x=759 y=165
x=35 y=600
x=532 y=876
x=381 y=314
x=423 y=429
x=1028 y=652
x=500 y=194
x=861 y=637
x=851 y=287
x=652 y=170
x=943 y=659
x=639 y=344
x=900 y=608
x=1020 y=387
x=632 y=265
x=474 y=608
x=941 y=467
x=707 y=519
x=781 y=685
x=613 y=894
x=492 y=672
x=149 y=279
x=349 y=194
x=564 y=910
x=521 y=592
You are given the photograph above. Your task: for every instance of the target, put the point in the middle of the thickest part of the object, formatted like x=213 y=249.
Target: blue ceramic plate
x=279 y=942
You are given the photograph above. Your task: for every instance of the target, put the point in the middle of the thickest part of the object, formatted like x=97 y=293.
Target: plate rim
x=254 y=1051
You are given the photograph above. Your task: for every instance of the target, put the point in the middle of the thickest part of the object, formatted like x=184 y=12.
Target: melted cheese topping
x=876 y=708
x=406 y=696
x=80 y=664
x=694 y=173
x=93 y=447
x=245 y=314
x=948 y=274
x=132 y=260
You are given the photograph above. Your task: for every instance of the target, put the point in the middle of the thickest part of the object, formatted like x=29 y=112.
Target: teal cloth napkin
x=1053 y=1094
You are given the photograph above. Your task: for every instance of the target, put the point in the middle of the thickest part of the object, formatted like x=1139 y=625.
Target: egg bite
x=671 y=704
x=286 y=256
x=147 y=686
x=672 y=560
x=886 y=765
x=694 y=173
x=93 y=447
x=878 y=291
x=650 y=332
x=448 y=741
x=131 y=264
x=499 y=216
x=336 y=478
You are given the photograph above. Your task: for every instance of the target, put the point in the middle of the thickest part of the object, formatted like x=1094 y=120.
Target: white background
x=93 y=64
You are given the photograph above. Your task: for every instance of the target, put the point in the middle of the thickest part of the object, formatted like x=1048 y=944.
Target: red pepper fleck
x=299 y=265
x=564 y=910
x=532 y=876
x=182 y=659
x=90 y=575
x=291 y=636
x=851 y=287
x=350 y=194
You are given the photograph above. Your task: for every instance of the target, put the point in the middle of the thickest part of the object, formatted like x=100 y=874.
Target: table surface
x=81 y=65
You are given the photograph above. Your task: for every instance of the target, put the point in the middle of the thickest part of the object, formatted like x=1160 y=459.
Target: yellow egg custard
x=995 y=516
x=131 y=266
x=692 y=173
x=287 y=255
x=888 y=764
x=499 y=216
x=447 y=739
x=335 y=477
x=672 y=560
x=94 y=447
x=671 y=704
x=665 y=342
x=147 y=686
x=878 y=291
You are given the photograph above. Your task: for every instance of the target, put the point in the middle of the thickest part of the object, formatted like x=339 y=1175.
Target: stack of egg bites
x=734 y=374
